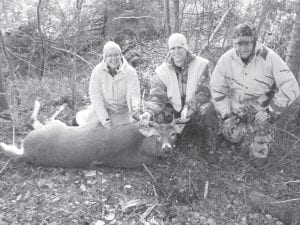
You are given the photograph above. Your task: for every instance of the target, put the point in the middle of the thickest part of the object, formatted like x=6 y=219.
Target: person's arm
x=288 y=87
x=133 y=90
x=96 y=96
x=158 y=97
x=220 y=89
x=202 y=93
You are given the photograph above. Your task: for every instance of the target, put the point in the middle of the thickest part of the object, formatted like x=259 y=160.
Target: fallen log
x=284 y=211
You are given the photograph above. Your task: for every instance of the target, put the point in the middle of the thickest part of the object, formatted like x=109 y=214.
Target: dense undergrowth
x=193 y=185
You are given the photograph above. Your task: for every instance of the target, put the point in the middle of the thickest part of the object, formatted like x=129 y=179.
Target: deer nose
x=167 y=148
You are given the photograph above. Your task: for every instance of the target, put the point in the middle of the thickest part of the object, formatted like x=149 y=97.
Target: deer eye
x=173 y=134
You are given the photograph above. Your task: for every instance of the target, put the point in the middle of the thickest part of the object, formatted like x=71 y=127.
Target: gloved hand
x=107 y=124
x=145 y=118
x=227 y=127
x=231 y=131
x=261 y=117
x=184 y=113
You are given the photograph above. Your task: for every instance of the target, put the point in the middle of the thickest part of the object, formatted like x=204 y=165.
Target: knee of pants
x=233 y=132
x=260 y=146
x=86 y=116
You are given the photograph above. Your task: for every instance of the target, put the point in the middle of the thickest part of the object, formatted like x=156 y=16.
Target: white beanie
x=177 y=40
x=111 y=45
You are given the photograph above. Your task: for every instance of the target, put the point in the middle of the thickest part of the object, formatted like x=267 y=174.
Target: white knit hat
x=111 y=45
x=177 y=40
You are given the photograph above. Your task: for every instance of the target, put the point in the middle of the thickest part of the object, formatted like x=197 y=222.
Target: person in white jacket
x=180 y=87
x=251 y=84
x=114 y=90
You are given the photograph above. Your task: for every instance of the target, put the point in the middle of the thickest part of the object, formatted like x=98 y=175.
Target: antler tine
x=153 y=124
x=175 y=121
x=180 y=121
x=136 y=117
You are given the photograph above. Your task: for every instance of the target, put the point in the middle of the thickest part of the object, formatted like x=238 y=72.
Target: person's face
x=113 y=58
x=244 y=48
x=179 y=55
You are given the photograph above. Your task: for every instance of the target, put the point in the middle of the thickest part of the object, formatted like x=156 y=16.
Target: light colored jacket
x=110 y=94
x=233 y=82
x=196 y=72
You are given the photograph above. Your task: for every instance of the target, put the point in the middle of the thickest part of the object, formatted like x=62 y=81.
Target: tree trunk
x=176 y=16
x=4 y=106
x=167 y=17
x=42 y=60
x=74 y=75
x=264 y=14
x=293 y=54
x=10 y=68
x=3 y=100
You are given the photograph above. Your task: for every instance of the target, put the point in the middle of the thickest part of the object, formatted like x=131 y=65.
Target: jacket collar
x=190 y=57
x=258 y=51
x=120 y=69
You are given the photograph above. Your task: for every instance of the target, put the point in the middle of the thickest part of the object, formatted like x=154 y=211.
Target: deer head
x=166 y=134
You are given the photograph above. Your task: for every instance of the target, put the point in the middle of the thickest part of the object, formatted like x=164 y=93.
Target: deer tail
x=12 y=151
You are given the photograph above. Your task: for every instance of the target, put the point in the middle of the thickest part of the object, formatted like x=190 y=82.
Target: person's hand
x=145 y=118
x=231 y=131
x=107 y=124
x=261 y=117
x=184 y=113
x=227 y=127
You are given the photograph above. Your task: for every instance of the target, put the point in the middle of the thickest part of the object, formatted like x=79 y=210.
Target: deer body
x=123 y=146
x=58 y=145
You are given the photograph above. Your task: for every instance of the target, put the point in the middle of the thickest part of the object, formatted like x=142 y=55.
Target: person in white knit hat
x=179 y=88
x=114 y=90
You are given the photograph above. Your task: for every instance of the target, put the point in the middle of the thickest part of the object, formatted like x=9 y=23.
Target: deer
x=56 y=144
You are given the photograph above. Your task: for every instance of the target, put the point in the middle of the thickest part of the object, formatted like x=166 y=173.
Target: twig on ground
x=281 y=161
x=205 y=190
x=286 y=183
x=154 y=180
x=148 y=211
x=284 y=201
x=143 y=221
x=244 y=193
x=289 y=133
x=4 y=167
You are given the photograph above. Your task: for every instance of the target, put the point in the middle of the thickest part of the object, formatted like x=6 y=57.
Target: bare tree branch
x=74 y=54
x=134 y=17
x=216 y=30
x=167 y=17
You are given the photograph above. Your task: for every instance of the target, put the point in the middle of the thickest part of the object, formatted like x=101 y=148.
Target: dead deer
x=126 y=146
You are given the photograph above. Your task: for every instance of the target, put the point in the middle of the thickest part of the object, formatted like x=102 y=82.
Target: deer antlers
x=156 y=125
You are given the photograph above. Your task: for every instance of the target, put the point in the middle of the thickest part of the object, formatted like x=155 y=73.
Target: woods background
x=48 y=50
x=64 y=39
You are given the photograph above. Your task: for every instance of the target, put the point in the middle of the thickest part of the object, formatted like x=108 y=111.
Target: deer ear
x=148 y=131
x=179 y=128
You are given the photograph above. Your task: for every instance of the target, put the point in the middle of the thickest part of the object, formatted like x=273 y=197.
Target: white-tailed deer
x=126 y=146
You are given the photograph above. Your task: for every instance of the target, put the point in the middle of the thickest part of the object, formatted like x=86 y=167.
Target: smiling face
x=244 y=48
x=179 y=55
x=113 y=58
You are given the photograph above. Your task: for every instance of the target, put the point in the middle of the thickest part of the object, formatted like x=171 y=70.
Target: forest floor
x=189 y=186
